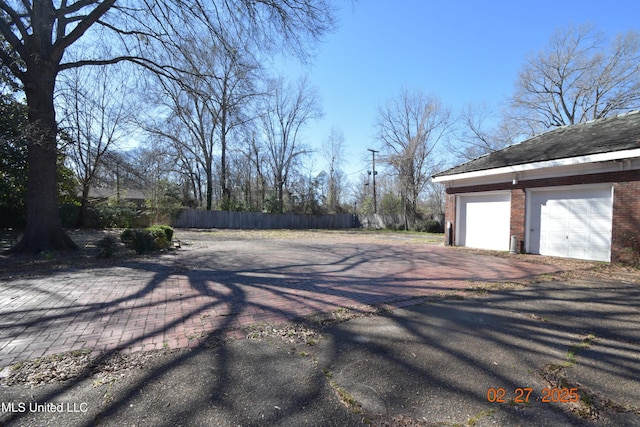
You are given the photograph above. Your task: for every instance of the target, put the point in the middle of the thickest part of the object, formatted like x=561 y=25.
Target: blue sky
x=462 y=51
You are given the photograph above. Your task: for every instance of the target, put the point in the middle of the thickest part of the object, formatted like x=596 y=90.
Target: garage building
x=572 y=192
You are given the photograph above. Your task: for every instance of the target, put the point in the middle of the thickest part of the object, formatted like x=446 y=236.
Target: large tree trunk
x=43 y=230
x=209 y=174
x=280 y=191
x=83 y=217
x=226 y=191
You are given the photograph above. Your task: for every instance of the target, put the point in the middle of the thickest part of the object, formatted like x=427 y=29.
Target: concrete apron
x=508 y=358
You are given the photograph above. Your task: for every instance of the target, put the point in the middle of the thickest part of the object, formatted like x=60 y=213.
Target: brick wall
x=450 y=215
x=626 y=203
x=626 y=219
x=518 y=209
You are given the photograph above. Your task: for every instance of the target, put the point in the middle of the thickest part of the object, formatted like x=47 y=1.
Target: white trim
x=456 y=230
x=591 y=158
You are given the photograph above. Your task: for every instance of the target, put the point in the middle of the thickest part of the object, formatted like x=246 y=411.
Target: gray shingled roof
x=599 y=136
x=125 y=193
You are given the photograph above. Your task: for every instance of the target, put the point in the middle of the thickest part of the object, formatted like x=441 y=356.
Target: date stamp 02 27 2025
x=523 y=395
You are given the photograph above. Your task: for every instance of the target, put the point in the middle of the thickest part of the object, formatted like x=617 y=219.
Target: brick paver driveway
x=219 y=282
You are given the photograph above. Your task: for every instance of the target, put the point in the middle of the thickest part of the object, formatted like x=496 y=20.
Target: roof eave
x=590 y=158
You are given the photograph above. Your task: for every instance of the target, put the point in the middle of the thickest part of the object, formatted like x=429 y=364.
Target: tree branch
x=61 y=44
x=8 y=34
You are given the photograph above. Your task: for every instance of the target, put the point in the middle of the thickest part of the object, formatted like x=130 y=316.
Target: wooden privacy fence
x=379 y=222
x=196 y=218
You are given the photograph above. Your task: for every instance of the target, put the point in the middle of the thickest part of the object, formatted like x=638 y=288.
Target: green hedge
x=147 y=239
x=104 y=216
x=429 y=226
x=168 y=231
x=107 y=246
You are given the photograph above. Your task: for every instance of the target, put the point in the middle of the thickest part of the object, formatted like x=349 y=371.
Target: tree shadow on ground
x=277 y=381
x=437 y=361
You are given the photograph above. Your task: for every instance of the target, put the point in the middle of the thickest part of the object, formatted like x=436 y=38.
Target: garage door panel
x=600 y=217
x=555 y=250
x=579 y=239
x=556 y=235
x=600 y=254
x=555 y=224
x=580 y=209
x=578 y=224
x=576 y=252
x=599 y=223
x=571 y=222
x=484 y=221
x=600 y=210
x=599 y=240
x=555 y=211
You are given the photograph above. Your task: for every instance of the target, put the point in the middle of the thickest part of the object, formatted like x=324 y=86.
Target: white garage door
x=571 y=223
x=484 y=220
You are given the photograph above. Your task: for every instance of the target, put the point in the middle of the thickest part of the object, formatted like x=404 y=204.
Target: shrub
x=396 y=227
x=113 y=216
x=139 y=240
x=107 y=246
x=168 y=231
x=159 y=237
x=429 y=226
x=631 y=251
x=127 y=236
x=148 y=239
x=69 y=213
x=143 y=242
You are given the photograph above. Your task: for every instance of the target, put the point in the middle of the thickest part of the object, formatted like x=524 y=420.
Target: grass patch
x=575 y=348
x=346 y=397
x=587 y=407
x=571 y=354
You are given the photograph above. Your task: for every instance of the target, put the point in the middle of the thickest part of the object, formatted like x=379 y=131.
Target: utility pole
x=374 y=173
x=117 y=183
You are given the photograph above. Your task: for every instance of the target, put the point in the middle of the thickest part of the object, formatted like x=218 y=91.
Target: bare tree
x=155 y=162
x=410 y=127
x=42 y=32
x=361 y=196
x=254 y=151
x=578 y=77
x=191 y=171
x=190 y=121
x=436 y=198
x=480 y=132
x=333 y=153
x=285 y=112
x=95 y=115
x=235 y=88
x=120 y=170
x=207 y=104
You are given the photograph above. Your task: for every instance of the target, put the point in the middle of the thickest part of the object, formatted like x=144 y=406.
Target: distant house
x=572 y=192
x=124 y=195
